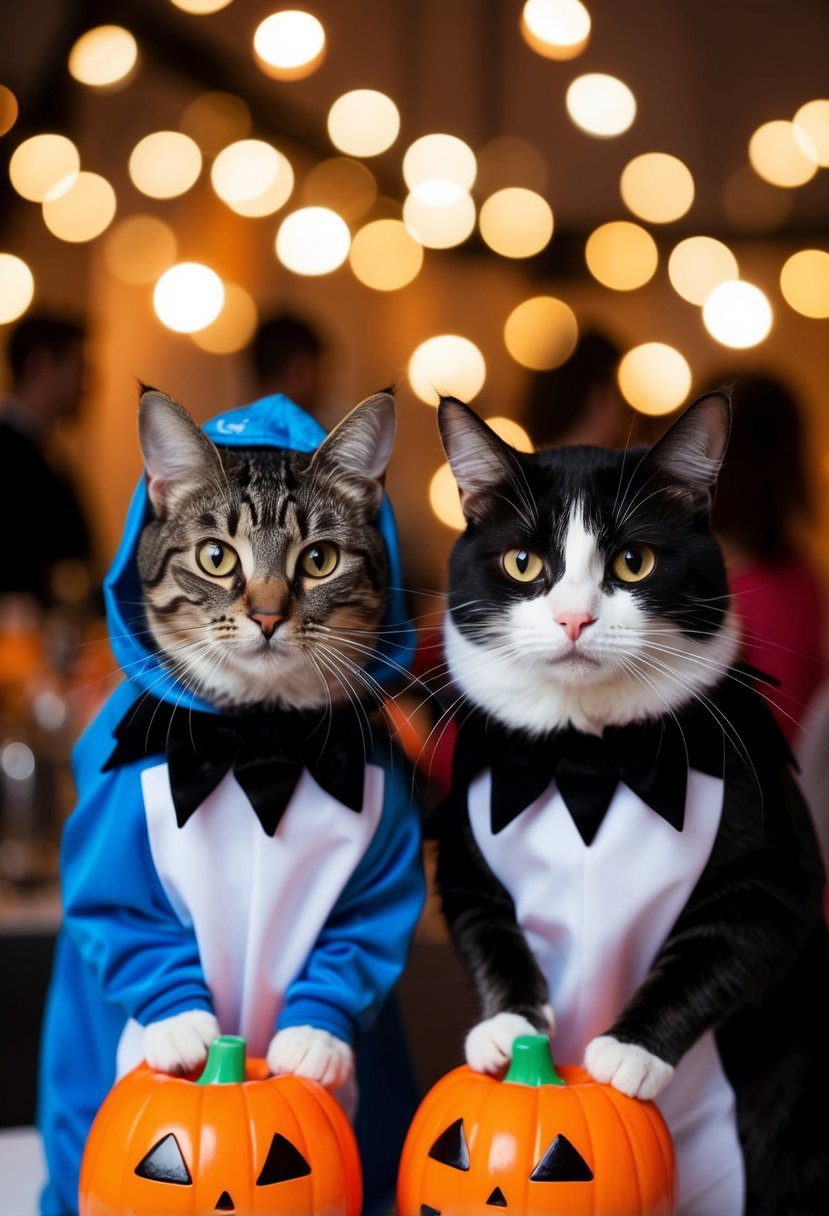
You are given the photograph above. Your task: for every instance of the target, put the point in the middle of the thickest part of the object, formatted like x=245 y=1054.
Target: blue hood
x=272 y=422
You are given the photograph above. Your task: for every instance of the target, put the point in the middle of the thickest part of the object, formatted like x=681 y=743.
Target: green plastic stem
x=225 y=1062
x=532 y=1062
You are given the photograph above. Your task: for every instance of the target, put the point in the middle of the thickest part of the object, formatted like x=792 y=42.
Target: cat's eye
x=634 y=563
x=319 y=560
x=522 y=564
x=216 y=558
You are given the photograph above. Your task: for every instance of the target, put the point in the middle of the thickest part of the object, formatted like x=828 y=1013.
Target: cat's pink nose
x=574 y=623
x=268 y=622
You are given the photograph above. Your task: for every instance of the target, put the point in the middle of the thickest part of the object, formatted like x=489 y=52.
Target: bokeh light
x=313 y=241
x=657 y=187
x=17 y=287
x=737 y=314
x=215 y=120
x=804 y=282
x=252 y=177
x=812 y=120
x=446 y=365
x=601 y=105
x=9 y=109
x=363 y=122
x=82 y=211
x=290 y=44
x=138 y=249
x=385 y=256
x=442 y=158
x=541 y=332
x=697 y=265
x=103 y=56
x=235 y=325
x=346 y=186
x=445 y=500
x=165 y=164
x=776 y=152
x=40 y=163
x=621 y=255
x=654 y=378
x=439 y=227
x=515 y=222
x=201 y=8
x=556 y=29
x=188 y=297
x=511 y=432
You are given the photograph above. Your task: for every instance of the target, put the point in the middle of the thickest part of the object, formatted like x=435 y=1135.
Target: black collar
x=267 y=752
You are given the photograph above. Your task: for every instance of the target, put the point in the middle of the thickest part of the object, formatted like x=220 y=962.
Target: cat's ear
x=479 y=458
x=359 y=447
x=178 y=456
x=692 y=450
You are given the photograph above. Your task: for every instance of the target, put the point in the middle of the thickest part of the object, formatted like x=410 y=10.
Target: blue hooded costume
x=307 y=922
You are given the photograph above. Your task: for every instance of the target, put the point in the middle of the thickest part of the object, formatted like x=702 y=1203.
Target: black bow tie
x=266 y=751
x=651 y=758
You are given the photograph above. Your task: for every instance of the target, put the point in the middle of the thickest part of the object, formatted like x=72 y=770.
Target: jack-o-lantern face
x=535 y=1146
x=252 y=1145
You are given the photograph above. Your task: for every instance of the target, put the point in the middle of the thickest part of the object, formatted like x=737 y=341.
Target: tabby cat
x=244 y=857
x=625 y=860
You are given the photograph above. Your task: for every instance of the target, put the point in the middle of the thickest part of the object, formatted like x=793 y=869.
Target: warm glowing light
x=654 y=378
x=510 y=161
x=313 y=241
x=621 y=255
x=512 y=433
x=363 y=122
x=812 y=120
x=754 y=205
x=165 y=164
x=804 y=282
x=188 y=297
x=17 y=287
x=235 y=325
x=557 y=29
x=541 y=333
x=697 y=265
x=215 y=120
x=252 y=177
x=447 y=365
x=385 y=256
x=776 y=151
x=439 y=227
x=39 y=163
x=103 y=56
x=515 y=222
x=139 y=249
x=737 y=314
x=201 y=8
x=443 y=158
x=81 y=212
x=344 y=185
x=601 y=105
x=657 y=187
x=8 y=109
x=290 y=44
x=444 y=498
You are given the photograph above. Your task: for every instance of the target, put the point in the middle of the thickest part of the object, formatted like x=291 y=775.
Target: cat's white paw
x=311 y=1053
x=180 y=1043
x=630 y=1069
x=489 y=1044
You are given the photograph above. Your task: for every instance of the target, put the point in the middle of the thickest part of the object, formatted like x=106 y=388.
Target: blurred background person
x=288 y=355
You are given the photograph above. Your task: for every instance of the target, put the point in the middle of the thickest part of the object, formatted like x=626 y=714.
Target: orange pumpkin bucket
x=236 y=1140
x=543 y=1141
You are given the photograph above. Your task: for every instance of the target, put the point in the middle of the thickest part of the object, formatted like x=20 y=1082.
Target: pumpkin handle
x=225 y=1061
x=532 y=1062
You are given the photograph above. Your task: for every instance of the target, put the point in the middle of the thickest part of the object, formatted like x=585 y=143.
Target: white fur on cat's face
x=623 y=666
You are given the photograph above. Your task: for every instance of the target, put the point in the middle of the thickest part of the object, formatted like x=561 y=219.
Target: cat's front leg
x=629 y=1068
x=180 y=1043
x=309 y=1052
x=488 y=1046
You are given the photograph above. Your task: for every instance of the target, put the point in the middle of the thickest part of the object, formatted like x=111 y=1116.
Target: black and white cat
x=625 y=858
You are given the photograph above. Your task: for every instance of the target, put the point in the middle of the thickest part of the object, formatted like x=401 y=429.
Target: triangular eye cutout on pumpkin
x=165 y=1163
x=562 y=1163
x=451 y=1148
x=284 y=1162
